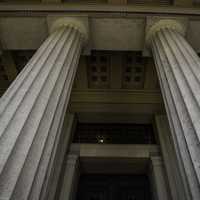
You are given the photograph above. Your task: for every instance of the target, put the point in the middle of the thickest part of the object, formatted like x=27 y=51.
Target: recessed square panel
x=133 y=70
x=98 y=66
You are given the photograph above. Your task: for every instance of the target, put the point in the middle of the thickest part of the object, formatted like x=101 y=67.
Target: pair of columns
x=32 y=109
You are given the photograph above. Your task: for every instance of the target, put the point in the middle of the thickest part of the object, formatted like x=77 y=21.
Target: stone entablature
x=106 y=33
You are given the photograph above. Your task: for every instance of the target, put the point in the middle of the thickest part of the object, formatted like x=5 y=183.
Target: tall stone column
x=32 y=112
x=71 y=178
x=176 y=186
x=158 y=179
x=178 y=68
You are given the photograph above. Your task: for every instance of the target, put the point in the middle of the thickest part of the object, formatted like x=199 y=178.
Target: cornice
x=45 y=9
x=79 y=23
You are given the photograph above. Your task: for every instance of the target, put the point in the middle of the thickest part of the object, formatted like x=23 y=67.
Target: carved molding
x=34 y=8
x=80 y=23
x=155 y=24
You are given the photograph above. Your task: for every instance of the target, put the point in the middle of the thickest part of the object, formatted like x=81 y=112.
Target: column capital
x=79 y=23
x=155 y=25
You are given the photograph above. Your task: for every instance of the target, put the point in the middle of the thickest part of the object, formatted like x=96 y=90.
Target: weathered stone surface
x=71 y=178
x=176 y=183
x=178 y=68
x=32 y=112
x=63 y=144
x=158 y=179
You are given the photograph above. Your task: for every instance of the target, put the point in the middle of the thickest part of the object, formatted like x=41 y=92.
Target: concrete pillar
x=32 y=112
x=178 y=68
x=158 y=179
x=56 y=169
x=71 y=178
x=178 y=188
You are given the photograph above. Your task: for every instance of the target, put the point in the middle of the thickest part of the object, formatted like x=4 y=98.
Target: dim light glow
x=101 y=141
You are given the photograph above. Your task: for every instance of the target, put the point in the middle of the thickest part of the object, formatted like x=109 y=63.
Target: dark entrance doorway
x=113 y=187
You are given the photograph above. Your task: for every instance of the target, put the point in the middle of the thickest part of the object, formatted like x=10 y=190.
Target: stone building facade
x=100 y=100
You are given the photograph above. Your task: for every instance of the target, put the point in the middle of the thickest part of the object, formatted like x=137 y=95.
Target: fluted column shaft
x=178 y=68
x=32 y=112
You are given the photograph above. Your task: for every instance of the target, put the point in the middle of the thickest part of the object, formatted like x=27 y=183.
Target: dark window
x=113 y=187
x=114 y=133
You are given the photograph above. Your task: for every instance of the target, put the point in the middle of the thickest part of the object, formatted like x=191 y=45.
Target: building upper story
x=116 y=72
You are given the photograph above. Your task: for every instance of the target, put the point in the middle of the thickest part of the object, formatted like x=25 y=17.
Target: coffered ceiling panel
x=133 y=70
x=116 y=70
x=98 y=70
